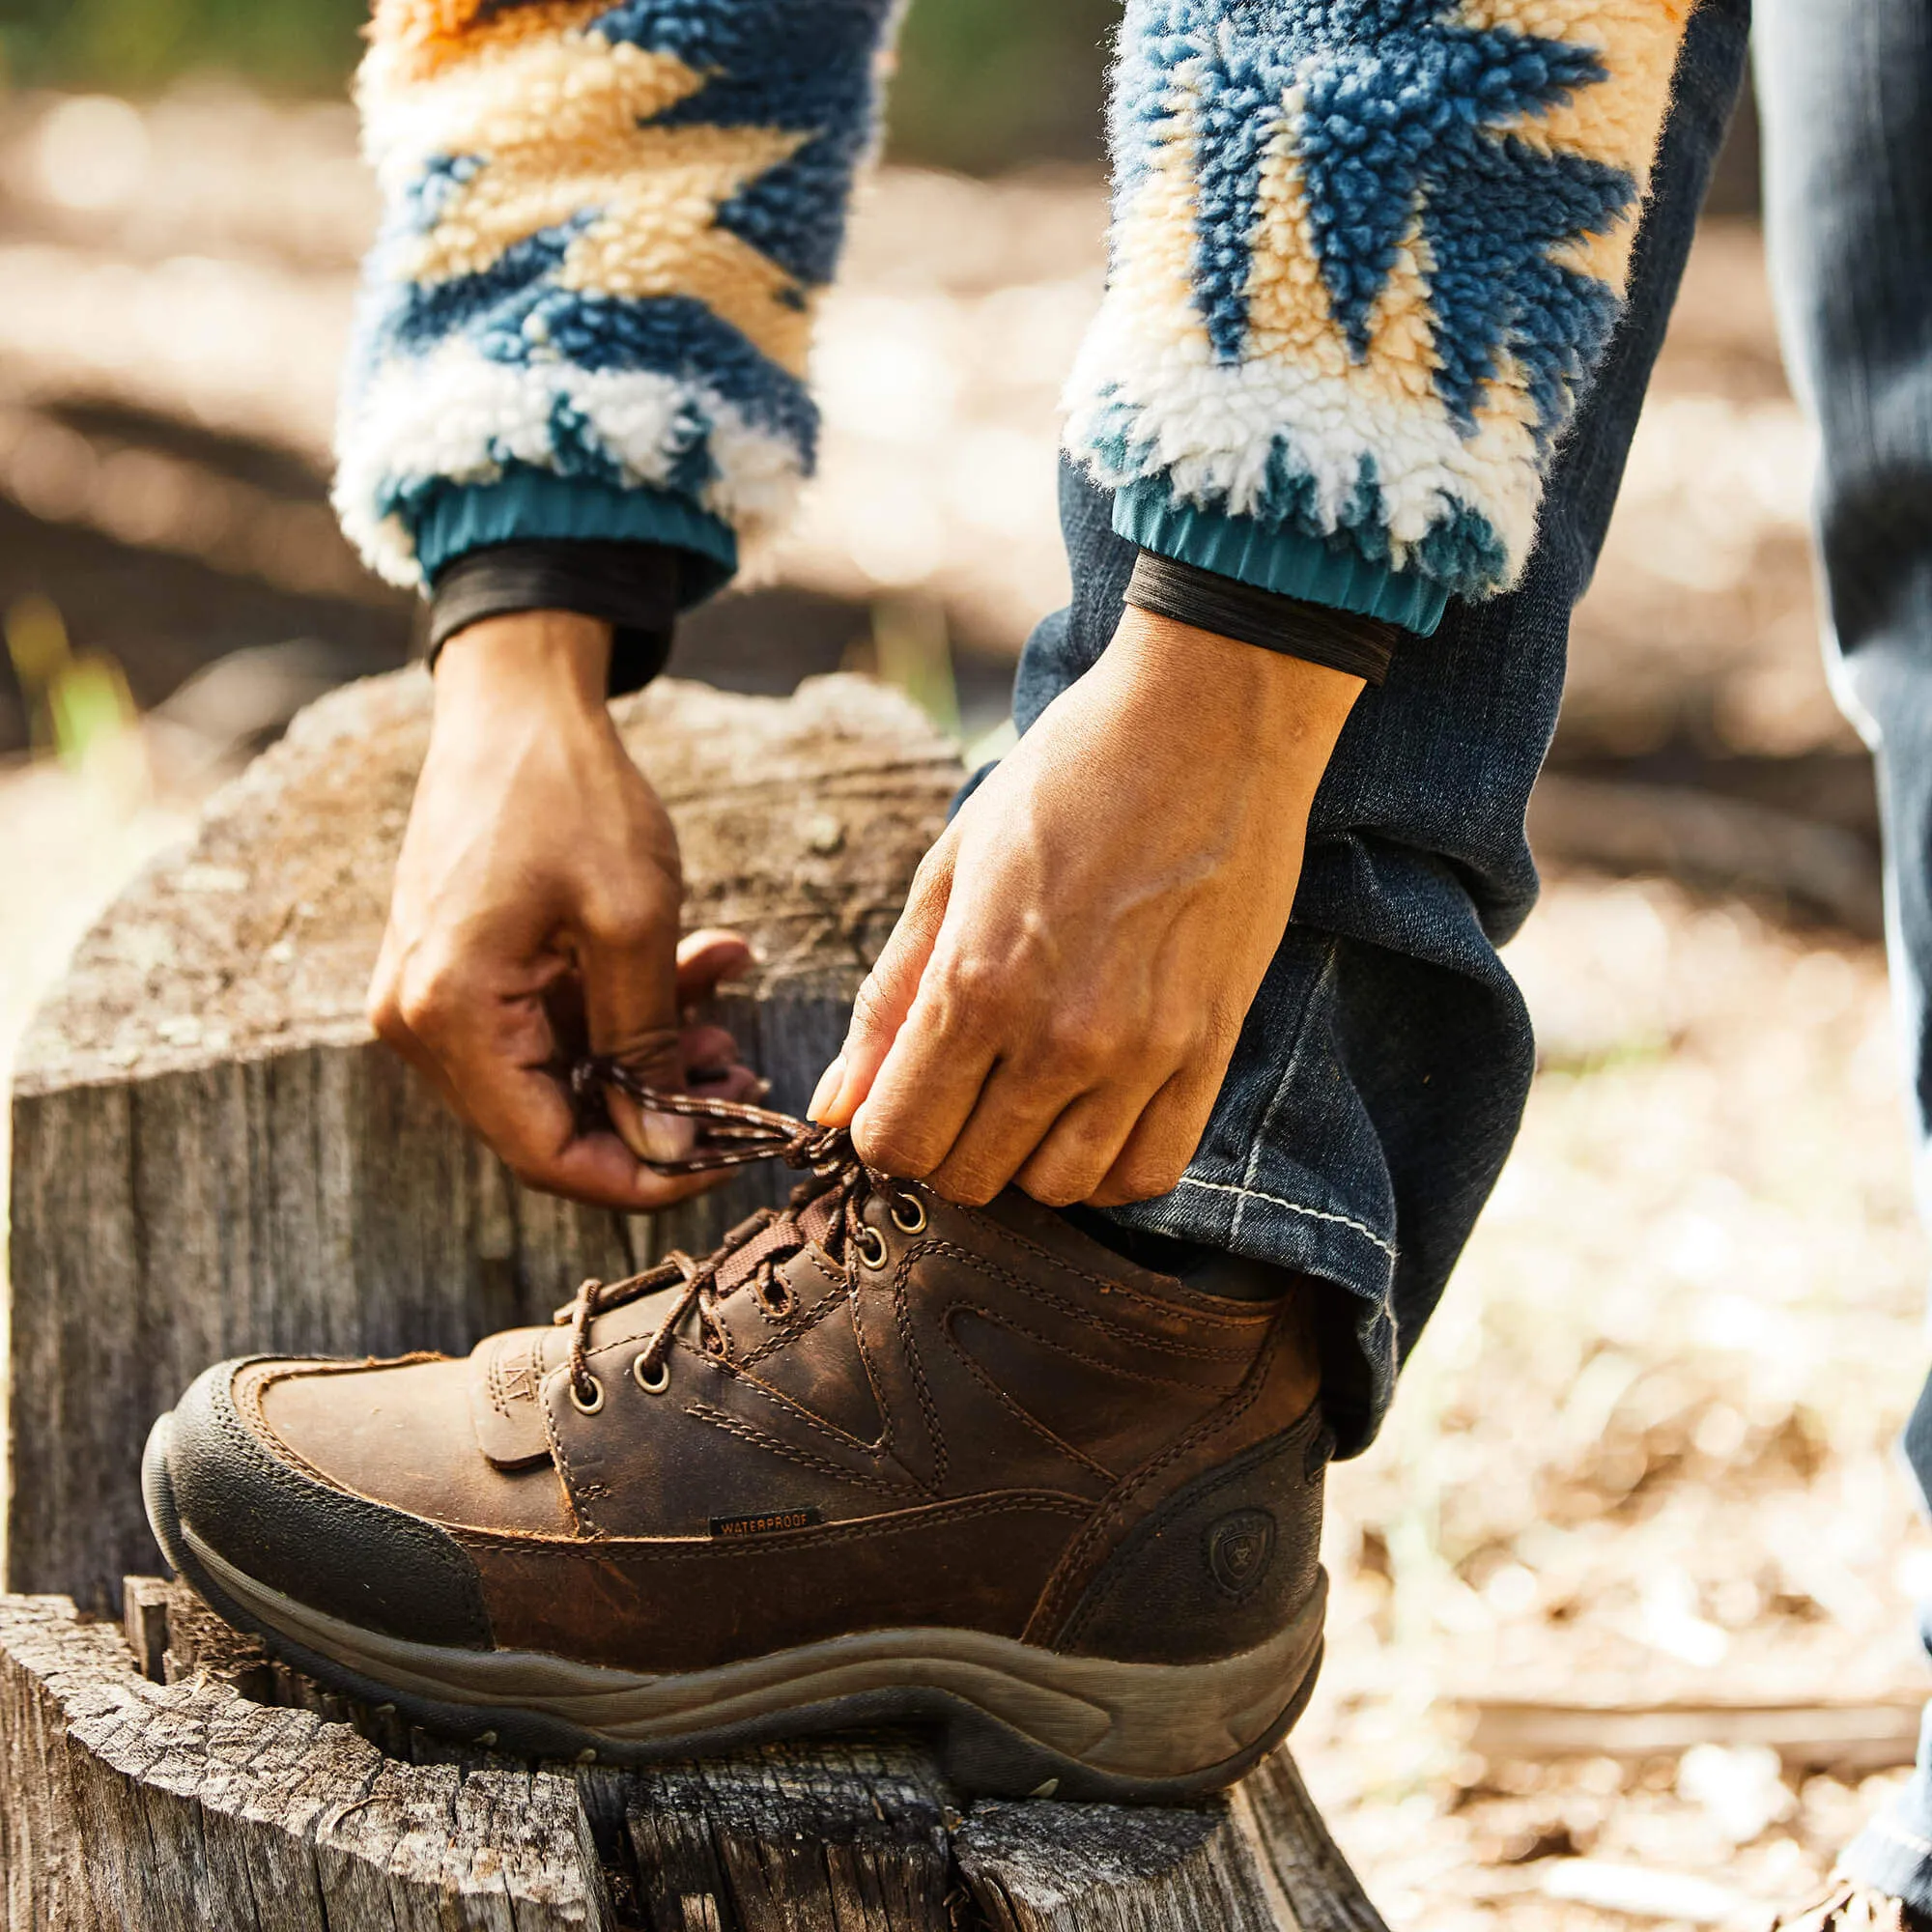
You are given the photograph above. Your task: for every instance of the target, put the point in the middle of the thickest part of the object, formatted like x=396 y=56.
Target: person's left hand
x=1059 y=1000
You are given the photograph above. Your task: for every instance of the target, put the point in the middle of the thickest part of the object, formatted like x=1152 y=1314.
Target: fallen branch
x=1851 y=1738
x=1712 y=840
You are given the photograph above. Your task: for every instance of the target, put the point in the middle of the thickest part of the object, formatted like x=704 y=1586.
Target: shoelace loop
x=737 y=1134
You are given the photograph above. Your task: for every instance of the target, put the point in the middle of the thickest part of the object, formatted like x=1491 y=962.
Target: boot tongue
x=785 y=1235
x=736 y=1269
x=506 y=1374
x=817 y=1217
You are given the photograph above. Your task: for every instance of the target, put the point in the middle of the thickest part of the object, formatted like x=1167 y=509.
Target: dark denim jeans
x=1382 y=1071
x=1846 y=87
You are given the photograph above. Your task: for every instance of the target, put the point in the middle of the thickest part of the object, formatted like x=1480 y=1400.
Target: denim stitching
x=1900 y=1835
x=1366 y=1233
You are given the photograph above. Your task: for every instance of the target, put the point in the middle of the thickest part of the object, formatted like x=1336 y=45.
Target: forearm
x=605 y=231
x=1362 y=274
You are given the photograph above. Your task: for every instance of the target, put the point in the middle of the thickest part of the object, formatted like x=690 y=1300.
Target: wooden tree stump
x=211 y=1156
x=168 y=1776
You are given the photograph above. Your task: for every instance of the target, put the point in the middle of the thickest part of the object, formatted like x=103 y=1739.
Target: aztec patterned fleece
x=1365 y=255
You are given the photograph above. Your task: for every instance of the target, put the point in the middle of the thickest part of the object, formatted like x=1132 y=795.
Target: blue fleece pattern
x=1318 y=149
x=1400 y=112
x=776 y=64
x=1387 y=218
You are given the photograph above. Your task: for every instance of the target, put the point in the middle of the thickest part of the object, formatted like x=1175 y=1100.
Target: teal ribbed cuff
x=1314 y=569
x=537 y=505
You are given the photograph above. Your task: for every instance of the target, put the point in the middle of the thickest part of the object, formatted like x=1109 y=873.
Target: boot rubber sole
x=1012 y=1720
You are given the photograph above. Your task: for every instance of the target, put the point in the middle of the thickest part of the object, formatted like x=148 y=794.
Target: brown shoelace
x=735 y=1135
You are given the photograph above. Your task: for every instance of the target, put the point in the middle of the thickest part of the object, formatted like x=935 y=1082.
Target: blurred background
x=1622 y=1615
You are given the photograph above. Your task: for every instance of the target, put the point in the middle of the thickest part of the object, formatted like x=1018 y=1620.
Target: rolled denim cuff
x=1893 y=1854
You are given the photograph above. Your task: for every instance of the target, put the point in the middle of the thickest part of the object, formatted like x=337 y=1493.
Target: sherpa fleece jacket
x=1365 y=255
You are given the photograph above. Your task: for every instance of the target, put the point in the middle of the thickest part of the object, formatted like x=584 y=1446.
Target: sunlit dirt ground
x=1645 y=1452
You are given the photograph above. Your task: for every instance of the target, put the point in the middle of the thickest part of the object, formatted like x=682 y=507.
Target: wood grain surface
x=235 y=1793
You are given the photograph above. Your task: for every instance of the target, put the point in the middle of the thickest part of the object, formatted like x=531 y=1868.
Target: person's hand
x=535 y=911
x=1063 y=993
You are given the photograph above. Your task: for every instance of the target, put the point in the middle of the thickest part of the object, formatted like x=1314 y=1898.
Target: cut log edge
x=112 y=1780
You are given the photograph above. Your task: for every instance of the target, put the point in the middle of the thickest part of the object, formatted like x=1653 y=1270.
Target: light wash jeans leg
x=1382 y=1074
x=1846 y=87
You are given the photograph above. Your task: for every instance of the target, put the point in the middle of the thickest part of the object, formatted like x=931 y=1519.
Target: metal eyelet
x=591 y=1407
x=651 y=1384
x=913 y=1223
x=871 y=1246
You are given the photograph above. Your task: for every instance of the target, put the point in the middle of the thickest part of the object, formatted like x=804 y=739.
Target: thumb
x=628 y=968
x=887 y=996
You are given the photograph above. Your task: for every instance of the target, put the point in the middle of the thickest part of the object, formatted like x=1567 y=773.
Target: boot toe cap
x=222 y=1489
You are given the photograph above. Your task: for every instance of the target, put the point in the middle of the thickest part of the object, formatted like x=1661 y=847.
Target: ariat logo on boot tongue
x=761 y=1526
x=1239 y=1549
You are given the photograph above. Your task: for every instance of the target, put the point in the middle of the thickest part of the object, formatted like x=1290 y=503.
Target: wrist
x=1283 y=704
x=547 y=658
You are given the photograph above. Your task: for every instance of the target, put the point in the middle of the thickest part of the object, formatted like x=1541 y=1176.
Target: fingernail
x=761 y=1090
x=830 y=1084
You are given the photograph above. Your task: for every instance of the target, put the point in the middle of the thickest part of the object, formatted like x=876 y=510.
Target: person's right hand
x=535 y=911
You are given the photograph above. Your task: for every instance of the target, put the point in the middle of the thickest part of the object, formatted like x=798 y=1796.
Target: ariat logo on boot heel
x=1239 y=1549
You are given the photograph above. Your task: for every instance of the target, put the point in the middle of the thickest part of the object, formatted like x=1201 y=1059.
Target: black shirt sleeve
x=636 y=588
x=1362 y=646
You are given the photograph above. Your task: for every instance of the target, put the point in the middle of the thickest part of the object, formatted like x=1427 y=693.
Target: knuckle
x=1146 y=1177
x=1080 y=1042
x=1057 y=1187
x=896 y=1150
x=969 y=978
x=974 y=990
x=430 y=996
x=526 y=1155
x=1171 y=1042
x=623 y=921
x=971 y=1186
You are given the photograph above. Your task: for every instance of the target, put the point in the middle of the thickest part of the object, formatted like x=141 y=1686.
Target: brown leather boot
x=879 y=1458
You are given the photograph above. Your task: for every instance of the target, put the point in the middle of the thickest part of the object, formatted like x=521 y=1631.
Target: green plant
x=138 y=46
x=982 y=84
